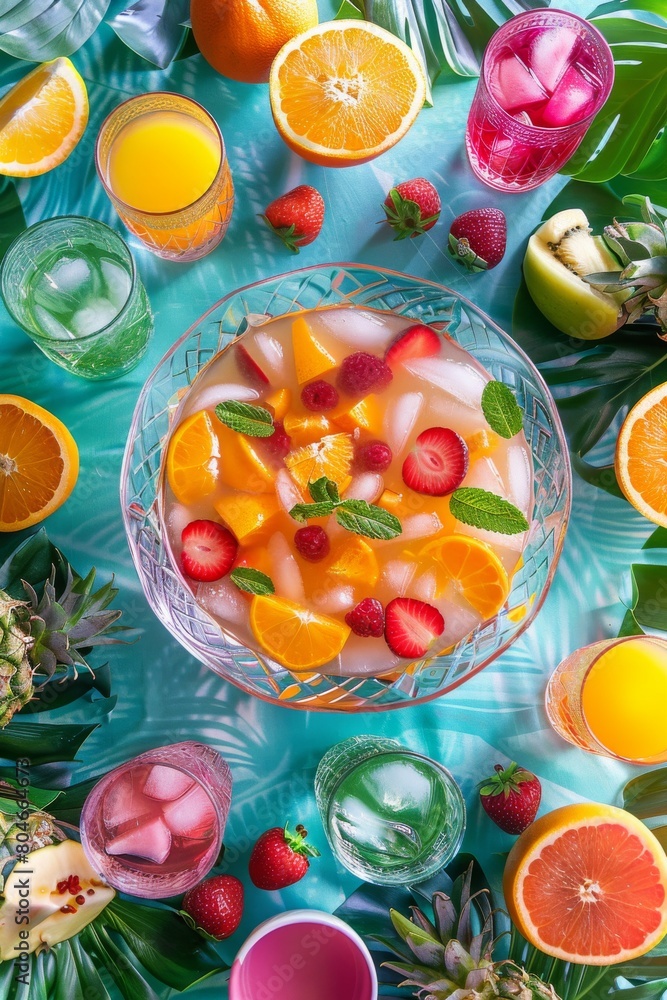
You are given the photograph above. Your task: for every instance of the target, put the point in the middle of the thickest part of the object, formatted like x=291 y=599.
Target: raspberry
x=374 y=456
x=280 y=443
x=312 y=542
x=319 y=396
x=367 y=619
x=362 y=373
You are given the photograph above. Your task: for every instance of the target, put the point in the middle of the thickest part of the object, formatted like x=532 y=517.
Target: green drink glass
x=391 y=816
x=72 y=285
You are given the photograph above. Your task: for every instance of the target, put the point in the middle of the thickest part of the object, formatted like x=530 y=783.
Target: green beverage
x=72 y=285
x=391 y=816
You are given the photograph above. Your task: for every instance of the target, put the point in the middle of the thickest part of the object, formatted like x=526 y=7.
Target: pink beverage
x=545 y=75
x=154 y=826
x=303 y=955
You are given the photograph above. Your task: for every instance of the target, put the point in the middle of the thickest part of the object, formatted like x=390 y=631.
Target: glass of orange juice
x=609 y=698
x=162 y=161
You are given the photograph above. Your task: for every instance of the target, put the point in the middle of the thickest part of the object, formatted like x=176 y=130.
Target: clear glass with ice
x=545 y=75
x=153 y=827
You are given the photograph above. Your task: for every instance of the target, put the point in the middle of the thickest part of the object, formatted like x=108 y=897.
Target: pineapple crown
x=641 y=249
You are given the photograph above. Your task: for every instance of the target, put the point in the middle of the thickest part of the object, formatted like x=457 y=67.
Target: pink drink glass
x=189 y=859
x=506 y=149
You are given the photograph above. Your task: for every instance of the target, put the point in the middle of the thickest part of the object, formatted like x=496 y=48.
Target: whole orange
x=240 y=38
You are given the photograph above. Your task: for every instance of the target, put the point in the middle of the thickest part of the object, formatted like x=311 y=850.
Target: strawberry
x=511 y=797
x=418 y=342
x=478 y=238
x=280 y=858
x=412 y=208
x=214 y=907
x=296 y=217
x=367 y=618
x=411 y=627
x=209 y=550
x=249 y=368
x=438 y=462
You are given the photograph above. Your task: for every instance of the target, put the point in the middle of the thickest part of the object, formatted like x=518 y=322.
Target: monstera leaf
x=154 y=29
x=39 y=30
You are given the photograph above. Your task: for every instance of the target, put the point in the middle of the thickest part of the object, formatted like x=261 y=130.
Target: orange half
x=344 y=92
x=640 y=456
x=39 y=463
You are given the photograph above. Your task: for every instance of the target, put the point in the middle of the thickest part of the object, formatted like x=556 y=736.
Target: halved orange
x=355 y=563
x=344 y=92
x=293 y=635
x=587 y=883
x=473 y=567
x=192 y=458
x=640 y=455
x=330 y=457
x=42 y=119
x=39 y=463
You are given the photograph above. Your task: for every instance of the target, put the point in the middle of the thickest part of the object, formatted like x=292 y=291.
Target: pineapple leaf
x=405 y=927
x=445 y=915
x=422 y=921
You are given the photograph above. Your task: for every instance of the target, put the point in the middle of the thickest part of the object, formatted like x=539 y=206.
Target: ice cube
x=335 y=600
x=362 y=330
x=124 y=802
x=271 y=351
x=93 y=317
x=192 y=816
x=71 y=275
x=523 y=117
x=209 y=397
x=118 y=283
x=516 y=470
x=223 y=600
x=549 y=54
x=167 y=783
x=50 y=326
x=150 y=841
x=400 y=418
x=420 y=526
x=177 y=519
x=460 y=380
x=514 y=86
x=425 y=586
x=288 y=493
x=460 y=620
x=446 y=411
x=572 y=100
x=365 y=486
x=365 y=657
x=286 y=574
x=396 y=577
x=484 y=475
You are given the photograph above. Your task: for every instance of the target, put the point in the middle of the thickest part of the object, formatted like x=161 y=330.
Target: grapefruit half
x=587 y=883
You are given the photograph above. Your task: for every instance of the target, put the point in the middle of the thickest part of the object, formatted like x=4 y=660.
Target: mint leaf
x=254 y=421
x=501 y=410
x=324 y=490
x=366 y=519
x=304 y=511
x=252 y=581
x=483 y=509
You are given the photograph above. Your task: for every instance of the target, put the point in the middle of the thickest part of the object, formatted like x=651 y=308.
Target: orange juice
x=163 y=161
x=624 y=697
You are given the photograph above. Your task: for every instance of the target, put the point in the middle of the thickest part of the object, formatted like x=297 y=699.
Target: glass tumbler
x=72 y=285
x=189 y=231
x=505 y=148
x=391 y=816
x=158 y=839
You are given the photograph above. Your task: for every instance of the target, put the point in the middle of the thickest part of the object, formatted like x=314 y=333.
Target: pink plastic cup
x=302 y=955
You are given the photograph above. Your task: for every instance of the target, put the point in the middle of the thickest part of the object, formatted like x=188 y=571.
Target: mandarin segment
x=279 y=401
x=248 y=515
x=293 y=635
x=311 y=358
x=330 y=457
x=366 y=415
x=192 y=458
x=242 y=466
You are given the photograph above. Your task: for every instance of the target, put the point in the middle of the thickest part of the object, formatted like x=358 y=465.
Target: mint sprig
x=252 y=581
x=501 y=410
x=254 y=421
x=483 y=509
x=358 y=516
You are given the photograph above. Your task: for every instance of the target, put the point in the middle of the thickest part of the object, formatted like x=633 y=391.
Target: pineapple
x=451 y=961
x=38 y=636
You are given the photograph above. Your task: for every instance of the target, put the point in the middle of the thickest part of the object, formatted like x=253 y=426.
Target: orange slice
x=294 y=636
x=344 y=92
x=356 y=563
x=330 y=457
x=42 y=119
x=390 y=500
x=474 y=568
x=367 y=415
x=247 y=514
x=587 y=883
x=192 y=459
x=640 y=455
x=242 y=466
x=306 y=428
x=39 y=463
x=280 y=401
x=311 y=358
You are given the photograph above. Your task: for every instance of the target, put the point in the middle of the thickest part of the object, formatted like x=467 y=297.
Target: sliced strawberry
x=411 y=627
x=418 y=342
x=209 y=550
x=438 y=462
x=249 y=368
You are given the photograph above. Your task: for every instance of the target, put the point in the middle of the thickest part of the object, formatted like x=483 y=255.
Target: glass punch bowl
x=311 y=288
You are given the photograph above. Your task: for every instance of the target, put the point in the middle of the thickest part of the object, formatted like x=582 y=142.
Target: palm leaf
x=38 y=30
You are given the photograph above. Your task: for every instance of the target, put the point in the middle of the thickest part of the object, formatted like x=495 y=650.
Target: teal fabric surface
x=164 y=695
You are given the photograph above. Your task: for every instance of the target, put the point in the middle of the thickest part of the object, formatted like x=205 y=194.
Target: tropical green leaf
x=649 y=595
x=153 y=29
x=42 y=744
x=12 y=220
x=62 y=691
x=625 y=135
x=31 y=560
x=350 y=9
x=656 y=540
x=40 y=798
x=67 y=807
x=629 y=626
x=37 y=30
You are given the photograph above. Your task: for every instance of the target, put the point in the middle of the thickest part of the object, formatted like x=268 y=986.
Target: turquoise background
x=164 y=695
